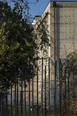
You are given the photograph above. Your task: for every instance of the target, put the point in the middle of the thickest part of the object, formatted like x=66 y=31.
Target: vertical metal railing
x=73 y=83
x=63 y=74
x=55 y=88
x=17 y=92
x=45 y=90
x=55 y=40
x=25 y=94
x=32 y=93
x=49 y=86
x=60 y=75
x=11 y=90
x=21 y=94
x=68 y=84
x=1 y=110
x=29 y=88
x=37 y=91
x=68 y=90
x=65 y=91
x=6 y=99
x=42 y=91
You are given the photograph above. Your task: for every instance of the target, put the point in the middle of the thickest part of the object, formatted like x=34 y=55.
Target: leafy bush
x=69 y=103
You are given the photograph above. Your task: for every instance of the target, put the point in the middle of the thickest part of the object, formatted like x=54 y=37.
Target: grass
x=19 y=112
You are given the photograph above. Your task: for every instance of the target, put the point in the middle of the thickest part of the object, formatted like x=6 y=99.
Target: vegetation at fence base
x=68 y=100
x=19 y=112
x=69 y=103
x=70 y=62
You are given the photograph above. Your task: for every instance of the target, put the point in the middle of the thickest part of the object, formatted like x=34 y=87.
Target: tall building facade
x=61 y=18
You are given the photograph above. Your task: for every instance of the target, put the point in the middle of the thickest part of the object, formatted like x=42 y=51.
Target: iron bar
x=68 y=86
x=55 y=91
x=6 y=99
x=42 y=91
x=25 y=92
x=45 y=90
x=37 y=91
x=32 y=93
x=29 y=88
x=54 y=5
x=68 y=91
x=21 y=94
x=1 y=95
x=11 y=90
x=17 y=92
x=49 y=87
x=1 y=103
x=60 y=75
x=73 y=83
x=65 y=90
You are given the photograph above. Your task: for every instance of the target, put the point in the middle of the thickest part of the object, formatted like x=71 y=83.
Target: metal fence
x=32 y=97
x=67 y=90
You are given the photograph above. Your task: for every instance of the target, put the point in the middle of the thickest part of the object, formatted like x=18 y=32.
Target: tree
x=17 y=43
x=21 y=7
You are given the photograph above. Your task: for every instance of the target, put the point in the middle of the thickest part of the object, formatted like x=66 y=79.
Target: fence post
x=45 y=90
x=25 y=93
x=60 y=75
x=21 y=93
x=29 y=88
x=65 y=91
x=1 y=97
x=55 y=90
x=6 y=99
x=73 y=83
x=17 y=91
x=37 y=91
x=68 y=89
x=11 y=90
x=49 y=86
x=0 y=104
x=42 y=91
x=32 y=93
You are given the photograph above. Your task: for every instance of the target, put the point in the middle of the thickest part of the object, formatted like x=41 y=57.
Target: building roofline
x=34 y=17
x=56 y=1
x=53 y=1
x=62 y=1
x=43 y=12
x=37 y=16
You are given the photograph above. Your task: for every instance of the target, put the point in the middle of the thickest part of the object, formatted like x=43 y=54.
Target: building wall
x=62 y=27
x=65 y=28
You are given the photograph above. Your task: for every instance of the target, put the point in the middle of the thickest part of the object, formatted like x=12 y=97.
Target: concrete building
x=61 y=18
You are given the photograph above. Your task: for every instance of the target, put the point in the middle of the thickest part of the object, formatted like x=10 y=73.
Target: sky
x=38 y=8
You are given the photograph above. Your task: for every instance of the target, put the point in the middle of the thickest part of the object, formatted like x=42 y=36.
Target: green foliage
x=0 y=85
x=69 y=96
x=17 y=46
x=17 y=43
x=69 y=103
x=71 y=61
x=43 y=34
x=19 y=112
